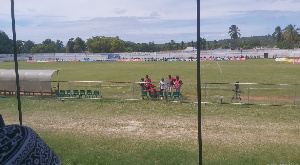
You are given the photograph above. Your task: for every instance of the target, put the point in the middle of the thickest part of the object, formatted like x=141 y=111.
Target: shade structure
x=30 y=80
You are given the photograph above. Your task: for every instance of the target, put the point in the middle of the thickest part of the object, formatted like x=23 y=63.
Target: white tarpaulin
x=30 y=80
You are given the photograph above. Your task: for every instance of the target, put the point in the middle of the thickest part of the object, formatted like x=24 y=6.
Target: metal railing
x=212 y=93
x=252 y=94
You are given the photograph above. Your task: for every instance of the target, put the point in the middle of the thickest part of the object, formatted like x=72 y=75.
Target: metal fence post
x=133 y=90
x=248 y=93
x=294 y=97
x=70 y=89
x=100 y=92
x=205 y=92
x=57 y=80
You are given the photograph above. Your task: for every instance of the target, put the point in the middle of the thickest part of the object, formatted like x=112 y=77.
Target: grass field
x=157 y=132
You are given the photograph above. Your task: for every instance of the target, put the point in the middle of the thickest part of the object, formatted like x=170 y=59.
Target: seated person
x=152 y=89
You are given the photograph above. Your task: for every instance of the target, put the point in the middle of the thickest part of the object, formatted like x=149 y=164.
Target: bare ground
x=217 y=130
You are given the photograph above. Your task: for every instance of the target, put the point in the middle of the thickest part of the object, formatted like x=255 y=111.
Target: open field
x=156 y=132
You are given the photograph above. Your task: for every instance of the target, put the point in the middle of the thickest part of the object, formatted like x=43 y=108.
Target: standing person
x=143 y=89
x=170 y=83
x=142 y=84
x=162 y=84
x=148 y=82
x=177 y=84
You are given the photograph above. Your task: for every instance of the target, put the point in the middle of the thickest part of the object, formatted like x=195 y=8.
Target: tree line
x=98 y=44
x=287 y=38
x=236 y=42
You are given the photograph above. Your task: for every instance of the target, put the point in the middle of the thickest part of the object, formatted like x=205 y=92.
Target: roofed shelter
x=38 y=81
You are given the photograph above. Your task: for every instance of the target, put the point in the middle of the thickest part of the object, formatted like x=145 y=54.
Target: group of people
x=172 y=83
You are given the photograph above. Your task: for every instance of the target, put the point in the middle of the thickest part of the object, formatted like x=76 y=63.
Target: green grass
x=119 y=151
x=157 y=132
x=256 y=71
x=249 y=71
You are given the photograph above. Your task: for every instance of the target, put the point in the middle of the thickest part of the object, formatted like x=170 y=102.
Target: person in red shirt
x=170 y=83
x=177 y=84
x=152 y=89
x=148 y=82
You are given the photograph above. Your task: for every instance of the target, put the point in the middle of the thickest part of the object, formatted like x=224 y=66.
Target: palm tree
x=290 y=34
x=234 y=32
x=278 y=34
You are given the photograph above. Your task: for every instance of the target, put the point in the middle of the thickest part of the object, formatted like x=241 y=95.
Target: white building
x=189 y=49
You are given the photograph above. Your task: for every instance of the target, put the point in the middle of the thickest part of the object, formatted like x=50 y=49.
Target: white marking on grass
x=219 y=67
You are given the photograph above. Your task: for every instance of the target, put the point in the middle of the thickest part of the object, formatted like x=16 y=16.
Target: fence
x=215 y=93
x=117 y=90
x=251 y=93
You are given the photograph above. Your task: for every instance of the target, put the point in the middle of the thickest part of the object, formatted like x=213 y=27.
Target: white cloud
x=258 y=17
x=134 y=20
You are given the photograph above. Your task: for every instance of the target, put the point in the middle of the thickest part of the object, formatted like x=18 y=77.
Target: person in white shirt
x=162 y=84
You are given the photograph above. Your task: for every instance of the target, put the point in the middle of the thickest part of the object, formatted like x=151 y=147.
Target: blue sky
x=252 y=17
x=132 y=20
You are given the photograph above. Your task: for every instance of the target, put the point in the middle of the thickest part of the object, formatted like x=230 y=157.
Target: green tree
x=70 y=46
x=234 y=32
x=173 y=45
x=215 y=45
x=170 y=46
x=278 y=34
x=290 y=34
x=79 y=45
x=142 y=47
x=202 y=43
x=129 y=46
x=290 y=37
x=6 y=45
x=117 y=45
x=93 y=45
x=182 y=45
x=152 y=47
x=20 y=47
x=40 y=48
x=177 y=46
x=285 y=45
x=47 y=46
x=104 y=44
x=28 y=45
x=250 y=44
x=60 y=47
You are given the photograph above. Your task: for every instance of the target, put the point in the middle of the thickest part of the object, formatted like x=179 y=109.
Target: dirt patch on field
x=152 y=128
x=215 y=129
x=248 y=133
x=220 y=131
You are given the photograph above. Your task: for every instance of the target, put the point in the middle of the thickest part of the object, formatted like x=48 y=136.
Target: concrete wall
x=156 y=55
x=97 y=56
x=250 y=52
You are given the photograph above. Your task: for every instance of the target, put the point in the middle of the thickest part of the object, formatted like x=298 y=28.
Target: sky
x=158 y=21
x=252 y=17
x=139 y=21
